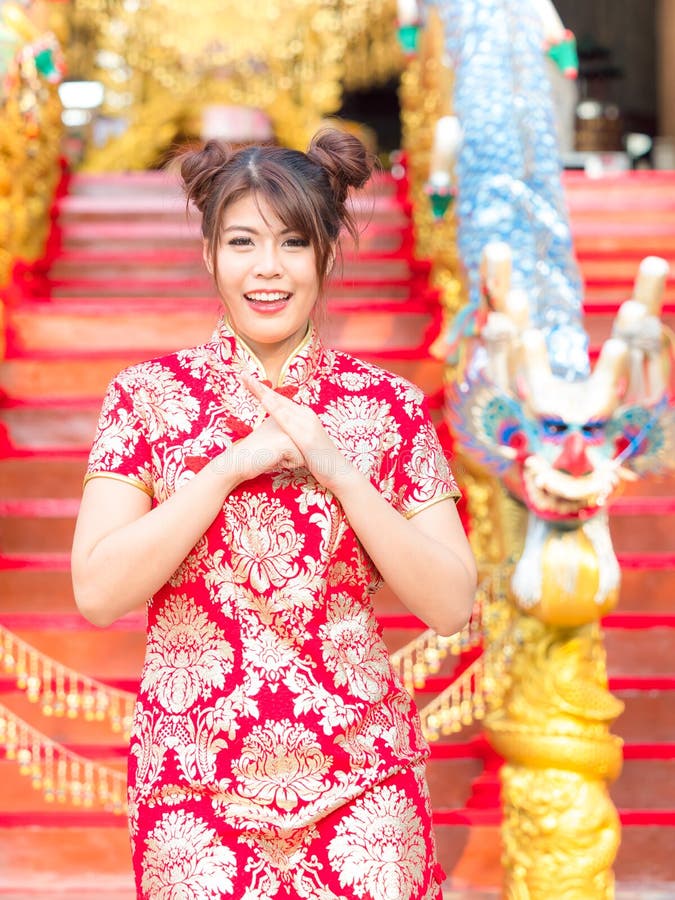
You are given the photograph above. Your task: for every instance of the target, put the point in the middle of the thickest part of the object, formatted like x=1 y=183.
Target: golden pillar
x=30 y=130
x=561 y=450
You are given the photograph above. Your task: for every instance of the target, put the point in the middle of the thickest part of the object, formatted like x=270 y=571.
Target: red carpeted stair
x=127 y=284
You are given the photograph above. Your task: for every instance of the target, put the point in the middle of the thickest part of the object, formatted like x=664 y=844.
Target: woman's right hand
x=265 y=449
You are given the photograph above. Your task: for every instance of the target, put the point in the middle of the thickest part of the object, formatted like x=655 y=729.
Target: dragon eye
x=593 y=429
x=554 y=427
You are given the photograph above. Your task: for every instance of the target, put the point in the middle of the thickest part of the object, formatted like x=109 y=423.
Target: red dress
x=274 y=752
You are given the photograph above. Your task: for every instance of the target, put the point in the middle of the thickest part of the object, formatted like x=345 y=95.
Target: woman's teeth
x=268 y=297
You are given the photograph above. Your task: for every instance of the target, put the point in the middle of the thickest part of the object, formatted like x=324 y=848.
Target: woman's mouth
x=267 y=301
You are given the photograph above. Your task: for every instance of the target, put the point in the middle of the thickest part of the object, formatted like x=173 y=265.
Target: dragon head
x=562 y=447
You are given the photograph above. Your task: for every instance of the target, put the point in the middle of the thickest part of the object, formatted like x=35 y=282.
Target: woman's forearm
x=434 y=578
x=120 y=564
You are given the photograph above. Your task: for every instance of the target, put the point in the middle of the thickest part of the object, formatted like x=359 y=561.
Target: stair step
x=202 y=288
x=649 y=713
x=635 y=243
x=180 y=263
x=37 y=582
x=383 y=237
x=158 y=331
x=58 y=862
x=128 y=266
x=21 y=534
x=33 y=526
x=37 y=427
x=68 y=861
x=149 y=210
x=42 y=476
x=642 y=532
x=640 y=652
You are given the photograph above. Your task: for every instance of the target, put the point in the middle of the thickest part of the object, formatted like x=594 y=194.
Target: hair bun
x=199 y=168
x=345 y=159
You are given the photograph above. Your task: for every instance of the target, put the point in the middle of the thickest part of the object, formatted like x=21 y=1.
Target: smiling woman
x=267 y=278
x=258 y=489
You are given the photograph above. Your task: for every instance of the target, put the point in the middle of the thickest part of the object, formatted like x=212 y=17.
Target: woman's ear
x=206 y=256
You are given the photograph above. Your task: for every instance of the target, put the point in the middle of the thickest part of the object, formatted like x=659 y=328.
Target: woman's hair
x=307 y=191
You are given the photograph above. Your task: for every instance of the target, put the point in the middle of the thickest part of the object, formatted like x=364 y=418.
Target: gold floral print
x=379 y=849
x=281 y=764
x=167 y=404
x=184 y=860
x=353 y=650
x=187 y=657
x=363 y=428
x=264 y=541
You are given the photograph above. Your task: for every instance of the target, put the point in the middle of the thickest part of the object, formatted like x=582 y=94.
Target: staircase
x=128 y=284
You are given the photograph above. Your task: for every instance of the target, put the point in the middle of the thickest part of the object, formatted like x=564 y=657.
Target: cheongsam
x=274 y=752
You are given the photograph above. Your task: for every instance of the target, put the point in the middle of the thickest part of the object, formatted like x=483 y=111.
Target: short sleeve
x=419 y=474
x=121 y=449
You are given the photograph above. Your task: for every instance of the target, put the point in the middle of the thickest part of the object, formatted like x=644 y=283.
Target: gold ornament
x=60 y=775
x=162 y=62
x=60 y=690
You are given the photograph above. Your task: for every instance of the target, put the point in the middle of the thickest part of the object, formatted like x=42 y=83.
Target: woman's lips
x=268 y=301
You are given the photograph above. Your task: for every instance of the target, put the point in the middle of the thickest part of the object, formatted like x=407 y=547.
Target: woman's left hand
x=304 y=428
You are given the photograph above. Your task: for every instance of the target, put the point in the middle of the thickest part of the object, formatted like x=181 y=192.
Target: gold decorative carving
x=162 y=61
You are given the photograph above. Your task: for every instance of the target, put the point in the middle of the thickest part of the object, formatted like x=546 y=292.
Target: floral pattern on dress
x=268 y=653
x=118 y=432
x=282 y=765
x=379 y=849
x=264 y=540
x=353 y=650
x=169 y=407
x=184 y=860
x=363 y=428
x=426 y=468
x=187 y=657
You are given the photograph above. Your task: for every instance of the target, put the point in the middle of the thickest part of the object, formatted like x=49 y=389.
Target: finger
x=277 y=406
x=252 y=384
x=259 y=390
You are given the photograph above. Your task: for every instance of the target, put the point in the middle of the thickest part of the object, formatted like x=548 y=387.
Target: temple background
x=67 y=332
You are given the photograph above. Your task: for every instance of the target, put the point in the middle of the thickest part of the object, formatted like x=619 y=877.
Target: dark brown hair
x=307 y=191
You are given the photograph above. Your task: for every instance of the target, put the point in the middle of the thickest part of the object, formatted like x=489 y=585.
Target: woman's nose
x=268 y=262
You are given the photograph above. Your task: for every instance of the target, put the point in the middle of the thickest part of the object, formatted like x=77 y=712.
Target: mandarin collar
x=300 y=364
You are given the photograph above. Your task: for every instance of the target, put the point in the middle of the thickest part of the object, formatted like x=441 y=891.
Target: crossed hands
x=290 y=437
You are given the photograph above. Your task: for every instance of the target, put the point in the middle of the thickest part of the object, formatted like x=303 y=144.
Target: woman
x=274 y=753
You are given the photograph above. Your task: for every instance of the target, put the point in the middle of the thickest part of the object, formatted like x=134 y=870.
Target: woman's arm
x=426 y=560
x=124 y=551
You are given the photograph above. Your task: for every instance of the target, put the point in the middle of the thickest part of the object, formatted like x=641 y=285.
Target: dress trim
x=306 y=340
x=127 y=479
x=455 y=495
x=292 y=356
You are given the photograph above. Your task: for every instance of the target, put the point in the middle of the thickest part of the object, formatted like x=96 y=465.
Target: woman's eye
x=296 y=242
x=240 y=241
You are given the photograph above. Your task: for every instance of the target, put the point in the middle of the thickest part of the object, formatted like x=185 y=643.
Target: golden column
x=30 y=130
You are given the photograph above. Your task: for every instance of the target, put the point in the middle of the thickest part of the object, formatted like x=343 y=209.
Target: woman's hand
x=302 y=428
x=426 y=560
x=266 y=448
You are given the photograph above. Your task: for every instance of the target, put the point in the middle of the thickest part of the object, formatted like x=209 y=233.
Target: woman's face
x=267 y=277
